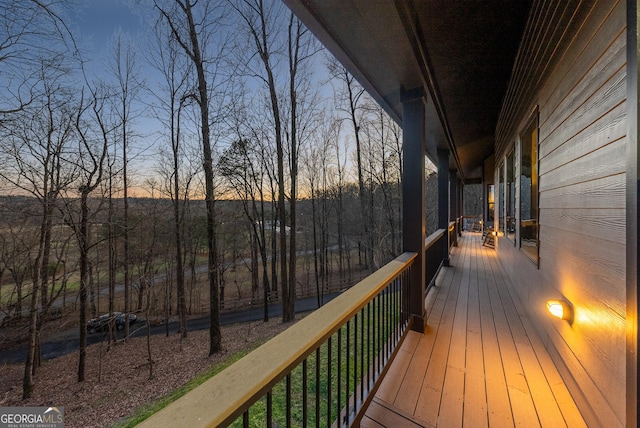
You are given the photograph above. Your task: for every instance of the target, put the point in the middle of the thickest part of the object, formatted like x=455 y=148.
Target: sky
x=98 y=19
x=94 y=25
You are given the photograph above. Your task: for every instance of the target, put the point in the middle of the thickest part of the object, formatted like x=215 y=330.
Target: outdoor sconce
x=560 y=309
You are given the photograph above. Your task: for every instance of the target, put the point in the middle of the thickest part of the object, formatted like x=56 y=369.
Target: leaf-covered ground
x=117 y=381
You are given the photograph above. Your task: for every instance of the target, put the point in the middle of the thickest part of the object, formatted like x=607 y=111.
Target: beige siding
x=572 y=66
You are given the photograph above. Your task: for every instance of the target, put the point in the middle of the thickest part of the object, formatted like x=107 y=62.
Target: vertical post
x=453 y=207
x=460 y=206
x=632 y=217
x=413 y=197
x=443 y=201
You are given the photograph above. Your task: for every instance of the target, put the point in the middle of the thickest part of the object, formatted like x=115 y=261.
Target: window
x=490 y=204
x=510 y=231
x=529 y=191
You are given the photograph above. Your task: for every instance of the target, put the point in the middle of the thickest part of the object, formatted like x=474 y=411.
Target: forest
x=220 y=158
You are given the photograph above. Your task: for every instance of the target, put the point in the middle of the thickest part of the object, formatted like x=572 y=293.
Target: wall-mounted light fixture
x=560 y=309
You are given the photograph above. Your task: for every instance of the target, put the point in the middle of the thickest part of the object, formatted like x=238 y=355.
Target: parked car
x=102 y=322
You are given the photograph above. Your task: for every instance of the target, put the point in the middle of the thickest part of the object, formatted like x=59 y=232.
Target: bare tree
x=17 y=243
x=37 y=143
x=91 y=156
x=318 y=168
x=193 y=32
x=172 y=98
x=239 y=166
x=349 y=103
x=249 y=126
x=383 y=169
x=31 y=30
x=260 y=21
x=35 y=45
x=338 y=185
x=266 y=40
x=125 y=70
x=301 y=47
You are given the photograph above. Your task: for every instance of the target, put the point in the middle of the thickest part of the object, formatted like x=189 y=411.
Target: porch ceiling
x=461 y=51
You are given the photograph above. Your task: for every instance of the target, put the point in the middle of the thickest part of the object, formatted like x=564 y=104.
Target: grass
x=7 y=290
x=332 y=380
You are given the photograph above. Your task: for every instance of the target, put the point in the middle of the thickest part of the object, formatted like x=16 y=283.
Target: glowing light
x=560 y=309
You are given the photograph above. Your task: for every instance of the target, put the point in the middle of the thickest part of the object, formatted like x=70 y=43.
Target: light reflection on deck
x=479 y=363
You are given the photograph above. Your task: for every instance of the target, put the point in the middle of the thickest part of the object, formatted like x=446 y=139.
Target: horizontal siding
x=596 y=269
x=605 y=192
x=550 y=25
x=607 y=160
x=533 y=292
x=602 y=224
x=607 y=129
x=577 y=80
x=587 y=390
x=598 y=53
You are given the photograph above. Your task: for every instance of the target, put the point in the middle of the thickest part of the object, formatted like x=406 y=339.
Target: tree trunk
x=92 y=292
x=215 y=336
x=112 y=254
x=84 y=270
x=255 y=287
x=316 y=272
x=288 y=310
x=177 y=221
x=274 y=249
x=192 y=49
x=265 y=263
x=27 y=380
x=39 y=279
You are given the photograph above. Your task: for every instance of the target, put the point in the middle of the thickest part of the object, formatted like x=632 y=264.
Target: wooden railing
x=322 y=371
x=434 y=256
x=453 y=234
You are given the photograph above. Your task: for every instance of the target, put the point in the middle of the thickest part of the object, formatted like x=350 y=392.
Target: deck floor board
x=479 y=362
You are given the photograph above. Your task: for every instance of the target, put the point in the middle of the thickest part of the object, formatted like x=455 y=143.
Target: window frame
x=501 y=197
x=510 y=196
x=491 y=203
x=529 y=228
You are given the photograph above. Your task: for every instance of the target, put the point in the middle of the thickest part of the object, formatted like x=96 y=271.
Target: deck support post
x=460 y=206
x=443 y=201
x=632 y=215
x=453 y=207
x=413 y=201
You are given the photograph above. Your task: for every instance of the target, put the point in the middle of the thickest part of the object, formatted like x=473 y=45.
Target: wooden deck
x=480 y=362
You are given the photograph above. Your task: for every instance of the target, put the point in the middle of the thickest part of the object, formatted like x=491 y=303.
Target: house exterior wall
x=571 y=72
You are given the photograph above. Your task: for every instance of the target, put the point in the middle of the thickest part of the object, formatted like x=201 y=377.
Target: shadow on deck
x=480 y=361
